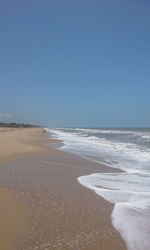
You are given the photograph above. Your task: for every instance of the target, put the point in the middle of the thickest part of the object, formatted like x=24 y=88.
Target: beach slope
x=55 y=210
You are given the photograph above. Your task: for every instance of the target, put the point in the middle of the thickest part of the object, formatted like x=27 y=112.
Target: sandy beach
x=46 y=206
x=17 y=143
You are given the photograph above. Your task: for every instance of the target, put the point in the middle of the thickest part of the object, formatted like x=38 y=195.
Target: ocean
x=127 y=150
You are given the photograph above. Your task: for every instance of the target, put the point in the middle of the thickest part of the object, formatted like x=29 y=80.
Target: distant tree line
x=16 y=125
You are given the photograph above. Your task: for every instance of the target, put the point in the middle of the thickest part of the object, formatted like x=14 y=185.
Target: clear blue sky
x=75 y=62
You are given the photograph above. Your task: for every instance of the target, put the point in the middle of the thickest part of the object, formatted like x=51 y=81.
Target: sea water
x=129 y=190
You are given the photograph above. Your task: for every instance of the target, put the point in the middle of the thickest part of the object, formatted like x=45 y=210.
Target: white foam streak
x=132 y=221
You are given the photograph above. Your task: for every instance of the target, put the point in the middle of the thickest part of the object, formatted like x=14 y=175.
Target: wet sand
x=17 y=143
x=61 y=214
x=13 y=221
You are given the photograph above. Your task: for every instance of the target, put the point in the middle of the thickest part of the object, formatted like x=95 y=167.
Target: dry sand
x=61 y=214
x=18 y=143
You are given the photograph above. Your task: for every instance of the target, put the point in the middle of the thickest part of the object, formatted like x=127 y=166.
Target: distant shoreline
x=16 y=125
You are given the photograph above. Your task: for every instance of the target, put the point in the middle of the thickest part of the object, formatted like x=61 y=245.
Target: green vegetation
x=15 y=125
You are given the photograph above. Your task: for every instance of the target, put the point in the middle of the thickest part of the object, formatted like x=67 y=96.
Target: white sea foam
x=129 y=191
x=127 y=156
x=130 y=194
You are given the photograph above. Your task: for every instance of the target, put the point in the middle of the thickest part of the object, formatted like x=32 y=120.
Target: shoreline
x=46 y=183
